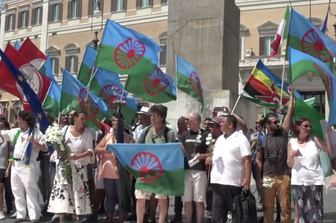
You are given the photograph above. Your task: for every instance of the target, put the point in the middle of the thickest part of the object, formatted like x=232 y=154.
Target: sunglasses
x=307 y=126
x=275 y=122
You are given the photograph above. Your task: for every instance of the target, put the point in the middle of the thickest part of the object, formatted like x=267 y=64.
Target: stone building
x=62 y=29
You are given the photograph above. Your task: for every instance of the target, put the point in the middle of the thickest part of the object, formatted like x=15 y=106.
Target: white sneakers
x=2 y=216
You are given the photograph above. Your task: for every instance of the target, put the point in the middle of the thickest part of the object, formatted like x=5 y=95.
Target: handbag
x=325 y=163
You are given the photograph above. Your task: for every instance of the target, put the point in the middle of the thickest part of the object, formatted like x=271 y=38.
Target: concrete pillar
x=2 y=26
x=44 y=26
x=206 y=34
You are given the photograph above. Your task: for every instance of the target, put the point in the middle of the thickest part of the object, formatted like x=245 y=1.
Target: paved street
x=329 y=208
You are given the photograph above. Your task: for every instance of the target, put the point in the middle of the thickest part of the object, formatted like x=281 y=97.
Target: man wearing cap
x=143 y=120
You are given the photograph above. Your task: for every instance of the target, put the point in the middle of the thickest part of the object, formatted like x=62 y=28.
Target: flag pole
x=88 y=86
x=236 y=103
x=120 y=134
x=282 y=82
x=177 y=91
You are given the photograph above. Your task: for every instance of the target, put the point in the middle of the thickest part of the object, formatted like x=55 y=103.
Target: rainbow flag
x=266 y=86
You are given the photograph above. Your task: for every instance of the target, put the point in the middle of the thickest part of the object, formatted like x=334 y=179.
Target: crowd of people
x=290 y=167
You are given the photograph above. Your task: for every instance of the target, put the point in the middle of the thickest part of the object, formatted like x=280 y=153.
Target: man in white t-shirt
x=231 y=168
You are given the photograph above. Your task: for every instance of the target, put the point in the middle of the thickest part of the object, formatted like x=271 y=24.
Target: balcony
x=251 y=61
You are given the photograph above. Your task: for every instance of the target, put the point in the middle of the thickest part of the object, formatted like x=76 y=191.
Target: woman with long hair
x=109 y=171
x=74 y=198
x=307 y=175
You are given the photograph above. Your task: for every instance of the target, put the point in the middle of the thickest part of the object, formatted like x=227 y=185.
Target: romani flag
x=281 y=33
x=188 y=81
x=158 y=168
x=128 y=52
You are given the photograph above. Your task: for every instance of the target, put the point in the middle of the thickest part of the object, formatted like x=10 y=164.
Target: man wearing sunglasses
x=272 y=164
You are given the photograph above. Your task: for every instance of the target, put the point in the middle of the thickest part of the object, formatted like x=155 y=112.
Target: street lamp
x=97 y=13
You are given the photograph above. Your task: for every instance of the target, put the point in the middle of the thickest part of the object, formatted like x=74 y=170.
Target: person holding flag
x=26 y=143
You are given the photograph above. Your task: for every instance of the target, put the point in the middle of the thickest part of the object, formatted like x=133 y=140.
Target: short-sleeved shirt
x=147 y=136
x=4 y=150
x=78 y=145
x=228 y=167
x=22 y=143
x=274 y=148
x=192 y=146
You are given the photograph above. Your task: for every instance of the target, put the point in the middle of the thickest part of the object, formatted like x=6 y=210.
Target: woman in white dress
x=74 y=198
x=307 y=175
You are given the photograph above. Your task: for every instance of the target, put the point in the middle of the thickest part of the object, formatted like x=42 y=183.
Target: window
x=163 y=52
x=55 y=12
x=144 y=3
x=54 y=61
x=319 y=99
x=265 y=45
x=243 y=32
x=54 y=54
x=163 y=2
x=267 y=32
x=23 y=17
x=71 y=59
x=9 y=23
x=92 y=7
x=74 y=9
x=37 y=15
x=118 y=5
x=71 y=64
x=240 y=48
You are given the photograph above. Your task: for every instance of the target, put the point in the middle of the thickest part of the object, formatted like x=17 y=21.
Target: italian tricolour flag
x=281 y=33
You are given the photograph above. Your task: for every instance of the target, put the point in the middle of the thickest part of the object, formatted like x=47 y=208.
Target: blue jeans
x=112 y=195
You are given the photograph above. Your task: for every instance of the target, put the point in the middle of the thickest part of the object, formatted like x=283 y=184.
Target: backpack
x=244 y=208
x=165 y=134
x=254 y=156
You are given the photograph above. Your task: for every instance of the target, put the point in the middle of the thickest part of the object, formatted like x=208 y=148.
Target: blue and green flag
x=188 y=81
x=85 y=70
x=156 y=87
x=300 y=63
x=107 y=86
x=74 y=94
x=125 y=51
x=158 y=168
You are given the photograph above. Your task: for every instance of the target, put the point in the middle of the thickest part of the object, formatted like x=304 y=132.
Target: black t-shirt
x=193 y=146
x=274 y=149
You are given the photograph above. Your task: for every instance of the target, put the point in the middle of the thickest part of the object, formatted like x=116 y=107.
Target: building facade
x=62 y=29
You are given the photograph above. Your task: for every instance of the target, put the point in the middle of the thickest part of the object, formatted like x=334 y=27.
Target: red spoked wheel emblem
x=325 y=79
x=148 y=165
x=81 y=101
x=128 y=53
x=196 y=84
x=313 y=45
x=155 y=82
x=111 y=94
